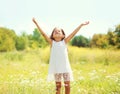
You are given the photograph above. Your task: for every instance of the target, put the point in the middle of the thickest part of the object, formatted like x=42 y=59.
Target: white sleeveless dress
x=59 y=62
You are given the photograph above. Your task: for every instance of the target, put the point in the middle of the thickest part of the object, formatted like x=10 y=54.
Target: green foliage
x=117 y=32
x=109 y=40
x=36 y=35
x=37 y=40
x=99 y=40
x=9 y=41
x=20 y=43
x=80 y=41
x=112 y=38
x=7 y=38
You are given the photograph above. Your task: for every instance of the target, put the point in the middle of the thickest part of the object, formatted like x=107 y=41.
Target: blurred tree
x=37 y=40
x=80 y=41
x=112 y=38
x=117 y=32
x=99 y=40
x=22 y=41
x=7 y=38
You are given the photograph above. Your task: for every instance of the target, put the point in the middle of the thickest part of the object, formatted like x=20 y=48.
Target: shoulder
x=64 y=41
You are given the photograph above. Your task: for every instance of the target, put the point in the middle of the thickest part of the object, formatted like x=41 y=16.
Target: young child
x=59 y=66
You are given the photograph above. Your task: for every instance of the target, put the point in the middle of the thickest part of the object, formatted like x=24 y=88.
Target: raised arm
x=75 y=31
x=42 y=32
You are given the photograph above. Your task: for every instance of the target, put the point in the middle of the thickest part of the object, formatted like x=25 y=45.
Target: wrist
x=81 y=25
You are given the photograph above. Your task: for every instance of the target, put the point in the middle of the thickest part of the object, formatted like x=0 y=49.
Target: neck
x=57 y=39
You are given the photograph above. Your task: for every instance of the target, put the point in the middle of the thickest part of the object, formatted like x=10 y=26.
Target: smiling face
x=58 y=34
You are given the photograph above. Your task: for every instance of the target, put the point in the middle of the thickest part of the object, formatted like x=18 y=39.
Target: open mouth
x=57 y=33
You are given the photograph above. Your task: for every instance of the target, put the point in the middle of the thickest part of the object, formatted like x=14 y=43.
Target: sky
x=66 y=14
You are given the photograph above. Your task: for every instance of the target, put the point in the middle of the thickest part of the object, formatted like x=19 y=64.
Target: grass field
x=95 y=71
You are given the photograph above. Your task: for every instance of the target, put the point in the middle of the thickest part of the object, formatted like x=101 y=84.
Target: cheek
x=63 y=35
x=54 y=35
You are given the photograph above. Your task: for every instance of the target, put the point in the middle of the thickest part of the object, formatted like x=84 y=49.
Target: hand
x=86 y=23
x=34 y=20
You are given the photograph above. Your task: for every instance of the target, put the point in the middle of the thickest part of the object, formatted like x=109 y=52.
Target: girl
x=59 y=68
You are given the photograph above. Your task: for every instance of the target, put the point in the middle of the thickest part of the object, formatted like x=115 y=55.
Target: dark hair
x=51 y=37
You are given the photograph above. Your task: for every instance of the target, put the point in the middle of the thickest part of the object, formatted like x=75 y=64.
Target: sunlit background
x=24 y=58
x=67 y=14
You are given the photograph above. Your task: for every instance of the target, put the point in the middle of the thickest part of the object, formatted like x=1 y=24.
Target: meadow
x=96 y=71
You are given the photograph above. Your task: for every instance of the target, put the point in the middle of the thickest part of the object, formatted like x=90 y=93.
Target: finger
x=33 y=19
x=88 y=22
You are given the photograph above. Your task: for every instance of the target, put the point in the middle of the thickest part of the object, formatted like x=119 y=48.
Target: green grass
x=96 y=71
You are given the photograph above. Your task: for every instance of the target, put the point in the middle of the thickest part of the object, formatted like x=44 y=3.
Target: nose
x=57 y=32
